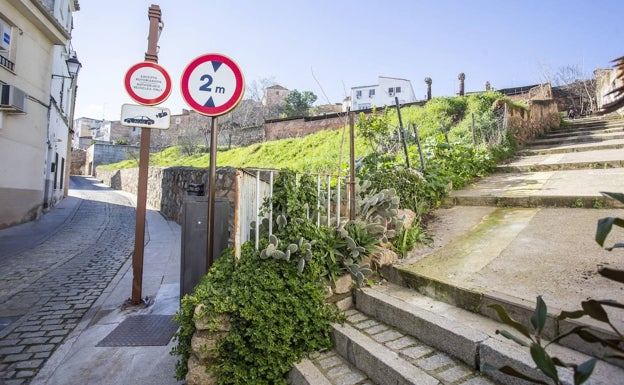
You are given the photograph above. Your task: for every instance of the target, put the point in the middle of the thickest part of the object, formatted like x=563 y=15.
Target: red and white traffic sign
x=148 y=83
x=212 y=84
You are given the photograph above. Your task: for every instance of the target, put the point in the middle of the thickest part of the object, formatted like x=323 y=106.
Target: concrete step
x=368 y=351
x=611 y=144
x=567 y=132
x=485 y=255
x=610 y=158
x=456 y=335
x=559 y=140
x=562 y=188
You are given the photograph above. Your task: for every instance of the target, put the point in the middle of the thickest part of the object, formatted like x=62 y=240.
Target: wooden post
x=151 y=55
x=352 y=207
x=422 y=157
x=402 y=132
x=474 y=132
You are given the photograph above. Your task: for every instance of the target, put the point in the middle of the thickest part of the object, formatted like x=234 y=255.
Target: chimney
x=461 y=78
x=428 y=83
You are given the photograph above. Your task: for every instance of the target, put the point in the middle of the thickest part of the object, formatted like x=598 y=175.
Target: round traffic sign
x=148 y=83
x=212 y=84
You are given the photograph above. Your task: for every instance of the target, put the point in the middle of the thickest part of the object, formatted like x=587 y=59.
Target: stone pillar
x=461 y=78
x=488 y=87
x=428 y=83
x=204 y=345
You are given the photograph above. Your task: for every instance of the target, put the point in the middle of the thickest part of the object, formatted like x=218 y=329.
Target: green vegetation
x=291 y=266
x=274 y=297
x=299 y=103
x=327 y=151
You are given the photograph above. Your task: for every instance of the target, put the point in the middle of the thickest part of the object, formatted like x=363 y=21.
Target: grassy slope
x=320 y=152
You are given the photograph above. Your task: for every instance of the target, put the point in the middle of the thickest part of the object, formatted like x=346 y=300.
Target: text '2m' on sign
x=212 y=84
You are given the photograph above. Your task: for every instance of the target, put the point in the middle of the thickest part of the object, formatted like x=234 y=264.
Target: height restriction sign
x=212 y=84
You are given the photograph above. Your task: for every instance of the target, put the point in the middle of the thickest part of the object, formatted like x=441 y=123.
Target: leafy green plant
x=264 y=340
x=408 y=238
x=595 y=309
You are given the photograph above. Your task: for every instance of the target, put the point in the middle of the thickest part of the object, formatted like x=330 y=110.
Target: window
x=371 y=93
x=394 y=90
x=5 y=45
x=358 y=94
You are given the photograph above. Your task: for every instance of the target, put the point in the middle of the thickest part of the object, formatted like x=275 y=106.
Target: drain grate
x=141 y=330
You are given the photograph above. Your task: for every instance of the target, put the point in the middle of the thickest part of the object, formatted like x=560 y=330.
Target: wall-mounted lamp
x=73 y=67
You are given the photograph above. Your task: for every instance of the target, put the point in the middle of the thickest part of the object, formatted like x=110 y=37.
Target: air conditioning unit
x=12 y=99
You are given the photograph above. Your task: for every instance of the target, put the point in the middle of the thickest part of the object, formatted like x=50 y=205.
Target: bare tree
x=195 y=134
x=578 y=89
x=582 y=90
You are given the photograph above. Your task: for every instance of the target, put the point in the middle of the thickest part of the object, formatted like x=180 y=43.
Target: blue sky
x=327 y=47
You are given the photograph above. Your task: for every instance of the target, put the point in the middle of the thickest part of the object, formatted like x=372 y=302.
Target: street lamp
x=73 y=66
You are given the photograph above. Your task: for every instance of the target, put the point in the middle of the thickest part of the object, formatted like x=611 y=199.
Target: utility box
x=194 y=238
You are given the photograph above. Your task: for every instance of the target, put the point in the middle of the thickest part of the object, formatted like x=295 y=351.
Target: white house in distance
x=382 y=94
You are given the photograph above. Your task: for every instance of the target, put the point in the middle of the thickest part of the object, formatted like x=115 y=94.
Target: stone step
x=326 y=368
x=455 y=334
x=368 y=351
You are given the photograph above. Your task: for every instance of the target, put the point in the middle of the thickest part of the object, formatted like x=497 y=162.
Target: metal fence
x=254 y=186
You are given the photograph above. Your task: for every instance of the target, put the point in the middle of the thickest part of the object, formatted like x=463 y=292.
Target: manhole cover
x=142 y=330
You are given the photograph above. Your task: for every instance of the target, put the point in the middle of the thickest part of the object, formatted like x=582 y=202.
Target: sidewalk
x=80 y=361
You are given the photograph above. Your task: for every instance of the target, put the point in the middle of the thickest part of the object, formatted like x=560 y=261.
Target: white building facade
x=382 y=94
x=36 y=107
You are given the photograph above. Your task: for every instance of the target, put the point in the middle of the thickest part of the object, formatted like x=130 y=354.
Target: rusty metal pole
x=352 y=207
x=154 y=15
x=212 y=188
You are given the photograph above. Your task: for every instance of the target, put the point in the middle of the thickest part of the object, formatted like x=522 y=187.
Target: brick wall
x=297 y=127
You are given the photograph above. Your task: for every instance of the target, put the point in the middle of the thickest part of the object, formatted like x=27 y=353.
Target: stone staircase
x=527 y=230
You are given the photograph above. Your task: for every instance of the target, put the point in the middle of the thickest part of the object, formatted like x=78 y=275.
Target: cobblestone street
x=47 y=287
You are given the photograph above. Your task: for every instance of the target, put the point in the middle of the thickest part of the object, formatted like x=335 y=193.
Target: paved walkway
x=63 y=281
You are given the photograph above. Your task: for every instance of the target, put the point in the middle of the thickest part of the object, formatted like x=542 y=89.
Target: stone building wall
x=78 y=162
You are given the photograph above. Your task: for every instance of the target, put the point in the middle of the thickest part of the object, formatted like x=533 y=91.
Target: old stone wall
x=527 y=124
x=78 y=162
x=167 y=187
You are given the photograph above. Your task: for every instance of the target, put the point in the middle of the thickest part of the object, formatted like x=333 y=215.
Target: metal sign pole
x=212 y=193
x=154 y=15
